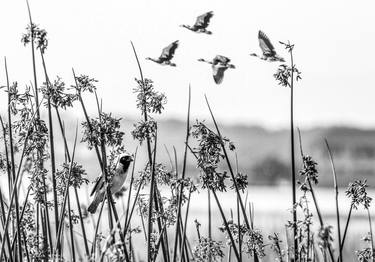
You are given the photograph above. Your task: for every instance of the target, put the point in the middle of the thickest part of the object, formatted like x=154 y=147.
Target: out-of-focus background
x=264 y=154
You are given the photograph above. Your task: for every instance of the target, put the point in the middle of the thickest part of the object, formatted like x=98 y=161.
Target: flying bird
x=219 y=64
x=118 y=180
x=201 y=24
x=269 y=52
x=166 y=55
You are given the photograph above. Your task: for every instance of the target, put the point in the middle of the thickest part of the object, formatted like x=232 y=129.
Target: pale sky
x=334 y=50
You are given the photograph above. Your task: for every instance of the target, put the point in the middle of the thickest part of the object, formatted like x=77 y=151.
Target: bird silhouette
x=201 y=23
x=219 y=64
x=115 y=184
x=166 y=55
x=269 y=52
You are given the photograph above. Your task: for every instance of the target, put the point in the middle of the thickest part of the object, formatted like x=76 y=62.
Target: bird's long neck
x=153 y=60
x=203 y=60
x=187 y=27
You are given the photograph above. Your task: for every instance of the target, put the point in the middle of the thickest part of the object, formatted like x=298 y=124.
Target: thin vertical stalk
x=33 y=60
x=151 y=164
x=312 y=191
x=308 y=241
x=52 y=146
x=336 y=198
x=229 y=166
x=71 y=228
x=13 y=169
x=132 y=257
x=133 y=206
x=118 y=225
x=87 y=118
x=227 y=226
x=75 y=189
x=293 y=158
x=230 y=170
x=110 y=202
x=239 y=229
x=9 y=180
x=185 y=226
x=130 y=191
x=44 y=231
x=48 y=230
x=238 y=217
x=58 y=241
x=38 y=118
x=157 y=245
x=150 y=203
x=223 y=216
x=371 y=234
x=97 y=227
x=209 y=220
x=22 y=212
x=104 y=164
x=230 y=247
x=346 y=227
x=179 y=196
x=15 y=182
x=37 y=223
x=26 y=250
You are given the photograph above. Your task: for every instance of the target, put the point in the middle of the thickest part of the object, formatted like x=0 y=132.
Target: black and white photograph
x=187 y=131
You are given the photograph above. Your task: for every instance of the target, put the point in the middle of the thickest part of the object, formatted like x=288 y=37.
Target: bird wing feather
x=168 y=52
x=203 y=20
x=265 y=44
x=218 y=74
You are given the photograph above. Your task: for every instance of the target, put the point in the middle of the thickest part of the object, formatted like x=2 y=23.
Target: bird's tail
x=94 y=204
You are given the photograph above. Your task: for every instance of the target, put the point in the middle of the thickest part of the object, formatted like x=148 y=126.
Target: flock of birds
x=220 y=63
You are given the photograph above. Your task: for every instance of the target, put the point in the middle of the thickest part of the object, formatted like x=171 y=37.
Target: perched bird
x=118 y=180
x=269 y=52
x=219 y=65
x=166 y=55
x=201 y=24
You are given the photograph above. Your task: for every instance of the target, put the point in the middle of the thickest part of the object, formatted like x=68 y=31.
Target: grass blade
x=336 y=198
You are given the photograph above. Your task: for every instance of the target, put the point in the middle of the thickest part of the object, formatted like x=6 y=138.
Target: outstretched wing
x=98 y=185
x=221 y=59
x=168 y=52
x=203 y=20
x=265 y=44
x=218 y=74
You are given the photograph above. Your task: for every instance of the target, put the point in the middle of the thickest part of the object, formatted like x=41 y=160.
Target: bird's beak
x=131 y=158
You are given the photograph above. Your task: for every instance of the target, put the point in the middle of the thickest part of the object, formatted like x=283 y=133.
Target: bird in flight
x=201 y=23
x=219 y=64
x=166 y=55
x=118 y=179
x=269 y=52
